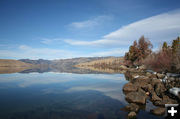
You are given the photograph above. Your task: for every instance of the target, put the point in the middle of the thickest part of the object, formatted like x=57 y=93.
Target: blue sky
x=55 y=29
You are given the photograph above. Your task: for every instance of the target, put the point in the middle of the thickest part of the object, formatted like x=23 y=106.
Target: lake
x=51 y=95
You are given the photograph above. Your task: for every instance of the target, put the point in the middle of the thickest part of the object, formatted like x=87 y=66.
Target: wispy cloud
x=91 y=22
x=111 y=52
x=159 y=28
x=24 y=51
x=95 y=43
x=51 y=41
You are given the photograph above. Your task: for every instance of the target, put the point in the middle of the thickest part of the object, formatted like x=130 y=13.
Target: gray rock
x=175 y=91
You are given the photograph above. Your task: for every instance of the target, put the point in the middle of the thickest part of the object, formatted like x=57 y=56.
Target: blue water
x=63 y=96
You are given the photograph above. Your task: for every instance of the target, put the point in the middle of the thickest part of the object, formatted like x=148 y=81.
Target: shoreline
x=146 y=85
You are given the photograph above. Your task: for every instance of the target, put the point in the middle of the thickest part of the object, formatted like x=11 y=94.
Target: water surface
x=63 y=96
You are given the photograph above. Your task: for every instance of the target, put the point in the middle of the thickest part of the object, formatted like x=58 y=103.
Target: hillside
x=13 y=63
x=112 y=63
x=12 y=66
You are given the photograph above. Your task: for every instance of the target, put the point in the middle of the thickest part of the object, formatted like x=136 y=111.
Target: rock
x=134 y=76
x=165 y=100
x=175 y=91
x=159 y=103
x=132 y=107
x=129 y=87
x=123 y=67
x=171 y=79
x=141 y=82
x=132 y=115
x=149 y=88
x=160 y=76
x=147 y=93
x=136 y=97
x=148 y=74
x=155 y=97
x=158 y=111
x=159 y=88
x=132 y=70
x=142 y=67
x=141 y=91
x=152 y=76
x=154 y=81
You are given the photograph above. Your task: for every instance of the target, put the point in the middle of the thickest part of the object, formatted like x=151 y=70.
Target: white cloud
x=96 y=43
x=112 y=52
x=24 y=51
x=91 y=22
x=49 y=41
x=159 y=28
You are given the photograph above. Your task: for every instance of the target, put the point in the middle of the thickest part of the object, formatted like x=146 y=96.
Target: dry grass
x=13 y=66
x=111 y=63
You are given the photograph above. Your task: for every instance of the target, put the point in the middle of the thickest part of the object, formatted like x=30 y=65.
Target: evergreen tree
x=175 y=46
x=165 y=46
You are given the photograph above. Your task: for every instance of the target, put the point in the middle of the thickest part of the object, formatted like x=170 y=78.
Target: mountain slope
x=13 y=63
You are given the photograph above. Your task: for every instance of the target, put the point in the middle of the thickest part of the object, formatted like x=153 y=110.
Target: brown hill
x=12 y=66
x=108 y=62
x=13 y=63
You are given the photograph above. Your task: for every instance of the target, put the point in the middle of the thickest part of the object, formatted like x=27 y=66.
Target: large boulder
x=136 y=97
x=132 y=107
x=158 y=111
x=132 y=115
x=129 y=87
x=141 y=82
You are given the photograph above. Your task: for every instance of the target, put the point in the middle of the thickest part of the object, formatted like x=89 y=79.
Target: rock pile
x=146 y=86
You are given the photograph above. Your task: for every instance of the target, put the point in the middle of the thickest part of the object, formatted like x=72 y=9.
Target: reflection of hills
x=62 y=65
x=60 y=69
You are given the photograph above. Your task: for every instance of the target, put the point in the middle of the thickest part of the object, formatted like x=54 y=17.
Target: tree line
x=167 y=59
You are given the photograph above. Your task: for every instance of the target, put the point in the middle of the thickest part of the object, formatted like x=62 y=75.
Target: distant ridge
x=13 y=63
x=13 y=66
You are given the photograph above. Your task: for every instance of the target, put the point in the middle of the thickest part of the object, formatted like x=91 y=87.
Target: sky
x=59 y=29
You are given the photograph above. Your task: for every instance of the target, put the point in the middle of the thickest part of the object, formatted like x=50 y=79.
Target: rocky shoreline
x=146 y=85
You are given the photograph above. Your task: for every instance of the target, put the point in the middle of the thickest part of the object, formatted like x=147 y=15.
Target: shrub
x=167 y=59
